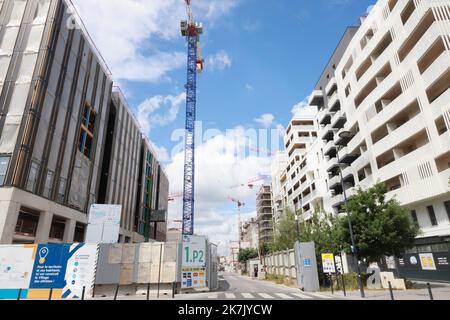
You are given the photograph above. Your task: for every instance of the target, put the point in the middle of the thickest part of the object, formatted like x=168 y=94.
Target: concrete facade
x=264 y=214
x=388 y=84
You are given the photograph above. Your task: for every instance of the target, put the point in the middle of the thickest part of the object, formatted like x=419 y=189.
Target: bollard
x=429 y=291
x=390 y=291
x=331 y=281
x=20 y=294
x=117 y=292
x=82 y=292
x=148 y=291
x=50 y=295
x=343 y=285
x=93 y=291
x=173 y=290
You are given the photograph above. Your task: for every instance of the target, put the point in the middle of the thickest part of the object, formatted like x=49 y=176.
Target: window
x=87 y=131
x=79 y=233
x=48 y=184
x=432 y=215
x=414 y=216
x=4 y=162
x=27 y=222
x=32 y=177
x=62 y=190
x=447 y=208
x=57 y=229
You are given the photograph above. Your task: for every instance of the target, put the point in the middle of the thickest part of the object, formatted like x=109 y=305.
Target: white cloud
x=266 y=119
x=219 y=61
x=249 y=87
x=218 y=171
x=149 y=114
x=300 y=106
x=129 y=33
x=161 y=152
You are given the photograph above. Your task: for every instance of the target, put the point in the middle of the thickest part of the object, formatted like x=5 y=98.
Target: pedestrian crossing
x=271 y=296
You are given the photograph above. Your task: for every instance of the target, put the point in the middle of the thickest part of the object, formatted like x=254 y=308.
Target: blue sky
x=262 y=57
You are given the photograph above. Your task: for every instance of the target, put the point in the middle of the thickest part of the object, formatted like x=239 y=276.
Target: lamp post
x=297 y=218
x=346 y=136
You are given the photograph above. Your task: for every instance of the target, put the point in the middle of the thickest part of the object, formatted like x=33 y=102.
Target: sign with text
x=103 y=223
x=193 y=262
x=328 y=263
x=427 y=261
x=65 y=268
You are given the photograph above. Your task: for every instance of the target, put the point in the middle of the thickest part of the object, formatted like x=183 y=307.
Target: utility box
x=307 y=273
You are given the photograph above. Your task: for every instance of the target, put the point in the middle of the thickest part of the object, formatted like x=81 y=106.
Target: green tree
x=247 y=254
x=381 y=228
x=285 y=232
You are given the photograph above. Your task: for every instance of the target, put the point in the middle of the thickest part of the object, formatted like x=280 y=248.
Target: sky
x=262 y=59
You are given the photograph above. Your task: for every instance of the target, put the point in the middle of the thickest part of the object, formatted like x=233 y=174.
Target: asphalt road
x=235 y=287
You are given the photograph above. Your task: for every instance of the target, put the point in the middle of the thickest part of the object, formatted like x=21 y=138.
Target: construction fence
x=281 y=264
x=75 y=271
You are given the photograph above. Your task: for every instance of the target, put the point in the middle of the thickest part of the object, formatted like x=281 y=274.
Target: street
x=236 y=287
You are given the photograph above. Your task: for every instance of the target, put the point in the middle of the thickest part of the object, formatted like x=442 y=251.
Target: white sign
x=193 y=262
x=104 y=223
x=427 y=261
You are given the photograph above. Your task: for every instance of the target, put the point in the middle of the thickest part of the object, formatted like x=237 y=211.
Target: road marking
x=318 y=295
x=248 y=296
x=213 y=296
x=283 y=296
x=230 y=296
x=265 y=296
x=301 y=295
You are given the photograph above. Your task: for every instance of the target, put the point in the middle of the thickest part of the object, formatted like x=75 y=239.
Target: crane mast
x=192 y=31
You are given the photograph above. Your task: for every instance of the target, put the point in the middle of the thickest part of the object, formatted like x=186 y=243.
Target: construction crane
x=251 y=183
x=192 y=31
x=239 y=205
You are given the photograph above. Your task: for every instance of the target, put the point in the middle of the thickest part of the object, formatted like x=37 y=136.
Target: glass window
x=48 y=184
x=41 y=12
x=27 y=222
x=62 y=190
x=19 y=98
x=424 y=248
x=439 y=247
x=79 y=233
x=32 y=177
x=17 y=12
x=34 y=39
x=447 y=208
x=57 y=229
x=4 y=162
x=9 y=135
x=432 y=216
x=414 y=216
x=9 y=40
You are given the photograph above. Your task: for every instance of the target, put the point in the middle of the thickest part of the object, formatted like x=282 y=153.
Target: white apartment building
x=264 y=207
x=394 y=85
x=279 y=180
x=301 y=133
x=388 y=84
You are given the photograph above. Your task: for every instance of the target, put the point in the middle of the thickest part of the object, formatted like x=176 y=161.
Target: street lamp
x=297 y=218
x=346 y=136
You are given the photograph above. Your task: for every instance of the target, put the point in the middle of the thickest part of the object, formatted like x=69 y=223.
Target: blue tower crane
x=192 y=31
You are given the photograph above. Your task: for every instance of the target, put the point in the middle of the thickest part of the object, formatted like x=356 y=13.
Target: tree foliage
x=381 y=228
x=247 y=254
x=285 y=234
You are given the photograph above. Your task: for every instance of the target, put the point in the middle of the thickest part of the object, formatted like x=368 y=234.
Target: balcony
x=330 y=149
x=331 y=84
x=324 y=117
x=332 y=164
x=335 y=182
x=333 y=102
x=327 y=133
x=316 y=98
x=338 y=120
x=436 y=69
x=337 y=200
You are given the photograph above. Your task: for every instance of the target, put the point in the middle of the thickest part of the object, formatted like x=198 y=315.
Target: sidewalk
x=440 y=292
